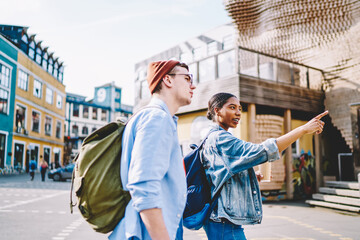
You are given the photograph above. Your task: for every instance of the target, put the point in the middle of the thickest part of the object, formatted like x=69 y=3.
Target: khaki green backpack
x=96 y=178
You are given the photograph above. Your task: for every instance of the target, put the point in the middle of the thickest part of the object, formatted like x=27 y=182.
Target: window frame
x=50 y=130
x=59 y=101
x=22 y=81
x=56 y=129
x=47 y=95
x=32 y=121
x=35 y=87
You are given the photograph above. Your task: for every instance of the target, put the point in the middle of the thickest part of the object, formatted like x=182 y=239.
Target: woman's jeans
x=224 y=230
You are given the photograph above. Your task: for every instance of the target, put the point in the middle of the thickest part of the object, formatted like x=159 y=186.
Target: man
x=151 y=162
x=32 y=168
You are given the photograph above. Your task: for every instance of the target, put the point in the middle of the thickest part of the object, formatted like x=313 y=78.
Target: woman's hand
x=315 y=124
x=259 y=175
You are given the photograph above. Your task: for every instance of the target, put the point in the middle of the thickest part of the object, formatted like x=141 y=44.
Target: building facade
x=84 y=117
x=277 y=95
x=323 y=34
x=39 y=101
x=8 y=69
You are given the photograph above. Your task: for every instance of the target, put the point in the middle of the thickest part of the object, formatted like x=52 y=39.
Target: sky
x=101 y=41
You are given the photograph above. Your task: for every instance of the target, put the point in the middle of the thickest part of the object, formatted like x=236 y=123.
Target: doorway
x=19 y=155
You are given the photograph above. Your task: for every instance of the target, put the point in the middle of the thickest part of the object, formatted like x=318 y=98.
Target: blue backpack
x=199 y=204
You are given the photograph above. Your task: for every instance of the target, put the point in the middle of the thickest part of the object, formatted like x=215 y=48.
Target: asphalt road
x=40 y=210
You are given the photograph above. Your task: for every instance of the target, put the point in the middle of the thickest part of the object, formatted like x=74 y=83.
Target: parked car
x=61 y=173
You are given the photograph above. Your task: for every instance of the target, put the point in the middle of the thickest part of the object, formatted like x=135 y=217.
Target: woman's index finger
x=322 y=114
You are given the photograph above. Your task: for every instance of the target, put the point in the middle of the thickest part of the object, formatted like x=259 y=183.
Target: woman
x=44 y=165
x=223 y=154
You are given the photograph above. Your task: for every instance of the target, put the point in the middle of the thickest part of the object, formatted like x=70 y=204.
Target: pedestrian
x=43 y=167
x=223 y=154
x=151 y=163
x=32 y=168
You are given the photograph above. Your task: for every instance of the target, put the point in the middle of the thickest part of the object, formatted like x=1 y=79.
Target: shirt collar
x=158 y=102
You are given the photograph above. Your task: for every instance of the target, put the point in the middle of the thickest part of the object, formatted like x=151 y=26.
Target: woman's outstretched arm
x=314 y=125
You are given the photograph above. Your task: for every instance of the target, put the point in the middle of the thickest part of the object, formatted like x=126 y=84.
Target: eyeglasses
x=190 y=78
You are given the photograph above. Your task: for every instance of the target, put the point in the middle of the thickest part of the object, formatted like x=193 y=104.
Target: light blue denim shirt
x=225 y=155
x=152 y=170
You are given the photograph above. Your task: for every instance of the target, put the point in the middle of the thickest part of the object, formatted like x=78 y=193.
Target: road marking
x=69 y=229
x=320 y=230
x=34 y=211
x=33 y=200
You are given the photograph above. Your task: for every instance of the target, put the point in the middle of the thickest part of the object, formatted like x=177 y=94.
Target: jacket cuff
x=271 y=149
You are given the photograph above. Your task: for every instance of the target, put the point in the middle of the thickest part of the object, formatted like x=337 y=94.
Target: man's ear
x=168 y=81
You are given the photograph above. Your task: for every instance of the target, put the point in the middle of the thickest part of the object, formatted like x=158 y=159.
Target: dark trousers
x=43 y=171
x=32 y=174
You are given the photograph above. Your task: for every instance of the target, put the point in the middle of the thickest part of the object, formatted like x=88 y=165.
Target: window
x=58 y=129
x=103 y=114
x=32 y=50
x=35 y=121
x=228 y=42
x=4 y=76
x=207 y=70
x=59 y=101
x=50 y=65
x=212 y=48
x=226 y=63
x=93 y=129
x=20 y=117
x=85 y=111
x=76 y=110
x=4 y=88
x=94 y=113
x=75 y=130
x=24 y=38
x=61 y=74
x=194 y=70
x=199 y=53
x=4 y=99
x=85 y=130
x=56 y=68
x=23 y=80
x=49 y=96
x=38 y=55
x=37 y=88
x=45 y=61
x=48 y=123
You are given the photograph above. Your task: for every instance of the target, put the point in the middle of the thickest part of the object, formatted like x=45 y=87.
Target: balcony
x=21 y=130
x=257 y=78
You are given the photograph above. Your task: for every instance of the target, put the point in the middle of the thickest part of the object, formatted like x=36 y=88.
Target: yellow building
x=39 y=111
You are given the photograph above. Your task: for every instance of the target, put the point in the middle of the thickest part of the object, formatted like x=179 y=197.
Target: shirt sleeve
x=150 y=160
x=239 y=155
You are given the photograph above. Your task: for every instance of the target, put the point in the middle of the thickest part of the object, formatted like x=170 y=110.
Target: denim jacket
x=227 y=157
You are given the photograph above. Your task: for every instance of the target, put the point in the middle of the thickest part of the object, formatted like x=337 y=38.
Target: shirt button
x=178 y=215
x=185 y=195
x=254 y=192
x=258 y=212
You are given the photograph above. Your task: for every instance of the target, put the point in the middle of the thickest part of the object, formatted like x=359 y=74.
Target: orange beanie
x=157 y=70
